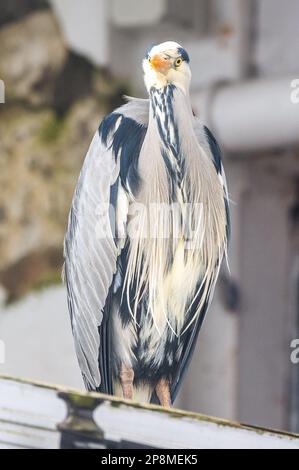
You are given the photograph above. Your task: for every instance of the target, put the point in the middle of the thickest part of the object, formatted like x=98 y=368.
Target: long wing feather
x=211 y=146
x=90 y=258
x=90 y=249
x=208 y=142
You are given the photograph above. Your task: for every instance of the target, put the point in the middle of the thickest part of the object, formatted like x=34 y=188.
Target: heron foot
x=163 y=392
x=126 y=380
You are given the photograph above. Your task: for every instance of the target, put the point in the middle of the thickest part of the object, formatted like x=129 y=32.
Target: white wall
x=38 y=341
x=85 y=26
x=276 y=49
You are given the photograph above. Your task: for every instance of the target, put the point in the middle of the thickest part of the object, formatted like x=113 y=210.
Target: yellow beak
x=160 y=64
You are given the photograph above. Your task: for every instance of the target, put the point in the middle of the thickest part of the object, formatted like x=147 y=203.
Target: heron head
x=167 y=63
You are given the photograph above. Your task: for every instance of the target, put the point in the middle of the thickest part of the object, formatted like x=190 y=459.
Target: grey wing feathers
x=90 y=257
x=135 y=108
x=208 y=142
x=90 y=251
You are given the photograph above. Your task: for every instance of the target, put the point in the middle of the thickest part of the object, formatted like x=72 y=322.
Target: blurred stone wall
x=54 y=101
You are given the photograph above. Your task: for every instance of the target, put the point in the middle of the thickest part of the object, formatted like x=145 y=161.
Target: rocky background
x=54 y=101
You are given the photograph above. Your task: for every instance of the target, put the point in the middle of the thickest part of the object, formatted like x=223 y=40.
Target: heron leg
x=126 y=380
x=163 y=392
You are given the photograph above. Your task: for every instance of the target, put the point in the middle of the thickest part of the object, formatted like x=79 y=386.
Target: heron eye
x=178 y=61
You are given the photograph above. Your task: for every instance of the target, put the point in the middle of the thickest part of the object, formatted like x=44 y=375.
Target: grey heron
x=147 y=231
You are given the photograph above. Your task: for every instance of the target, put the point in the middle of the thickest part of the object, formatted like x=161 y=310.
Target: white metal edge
x=30 y=413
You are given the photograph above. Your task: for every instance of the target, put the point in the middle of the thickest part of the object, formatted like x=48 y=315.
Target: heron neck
x=167 y=105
